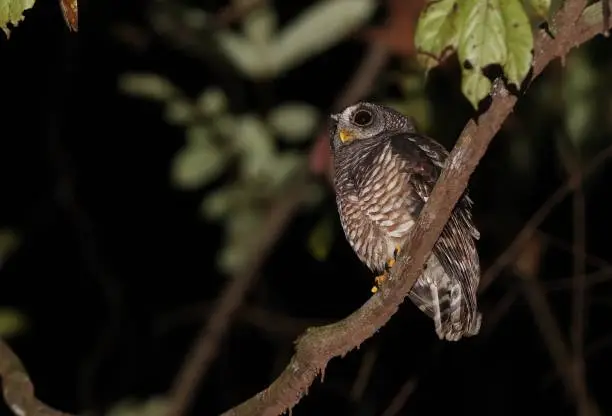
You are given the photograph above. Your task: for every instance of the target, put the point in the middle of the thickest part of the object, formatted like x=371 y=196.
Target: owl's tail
x=441 y=298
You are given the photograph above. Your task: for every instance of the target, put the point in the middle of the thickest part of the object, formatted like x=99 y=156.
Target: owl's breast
x=377 y=207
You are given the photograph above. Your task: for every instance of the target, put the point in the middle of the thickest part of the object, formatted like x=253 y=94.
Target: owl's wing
x=455 y=248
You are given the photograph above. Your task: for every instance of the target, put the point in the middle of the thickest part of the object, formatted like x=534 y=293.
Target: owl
x=384 y=171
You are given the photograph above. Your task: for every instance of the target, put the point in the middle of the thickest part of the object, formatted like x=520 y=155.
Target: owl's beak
x=345 y=135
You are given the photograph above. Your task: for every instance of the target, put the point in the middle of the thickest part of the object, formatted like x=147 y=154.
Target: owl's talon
x=396 y=252
x=380 y=279
x=389 y=264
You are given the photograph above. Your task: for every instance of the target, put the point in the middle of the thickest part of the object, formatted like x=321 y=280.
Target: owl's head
x=367 y=121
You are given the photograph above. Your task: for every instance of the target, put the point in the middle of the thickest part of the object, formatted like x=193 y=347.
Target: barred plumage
x=384 y=173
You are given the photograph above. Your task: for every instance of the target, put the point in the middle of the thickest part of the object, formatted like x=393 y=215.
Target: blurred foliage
x=244 y=147
x=153 y=406
x=261 y=51
x=9 y=241
x=11 y=13
x=578 y=89
x=321 y=238
x=411 y=82
x=12 y=322
x=246 y=160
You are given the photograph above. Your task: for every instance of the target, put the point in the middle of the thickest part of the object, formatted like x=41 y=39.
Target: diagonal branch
x=18 y=389
x=319 y=345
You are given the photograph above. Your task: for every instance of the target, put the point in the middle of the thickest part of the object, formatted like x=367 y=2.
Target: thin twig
x=17 y=388
x=579 y=308
x=502 y=307
x=206 y=344
x=362 y=81
x=575 y=384
x=590 y=258
x=268 y=321
x=570 y=367
x=236 y=11
x=605 y=4
x=402 y=396
x=531 y=227
x=364 y=374
x=319 y=345
x=591 y=279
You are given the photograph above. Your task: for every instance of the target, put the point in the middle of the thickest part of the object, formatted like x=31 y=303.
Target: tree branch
x=319 y=345
x=18 y=389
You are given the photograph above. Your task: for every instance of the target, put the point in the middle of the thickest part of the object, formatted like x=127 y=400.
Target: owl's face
x=364 y=121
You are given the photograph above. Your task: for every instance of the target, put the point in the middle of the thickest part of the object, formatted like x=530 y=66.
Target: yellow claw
x=383 y=277
x=380 y=279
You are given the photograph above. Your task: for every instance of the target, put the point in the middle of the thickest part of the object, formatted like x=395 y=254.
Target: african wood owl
x=384 y=171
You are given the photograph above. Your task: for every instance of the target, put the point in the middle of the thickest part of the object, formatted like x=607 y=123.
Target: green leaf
x=519 y=40
x=225 y=125
x=212 y=101
x=293 y=121
x=179 y=111
x=154 y=406
x=437 y=32
x=482 y=42
x=286 y=165
x=199 y=135
x=541 y=8
x=579 y=94
x=321 y=239
x=475 y=86
x=11 y=12
x=218 y=204
x=320 y=27
x=241 y=232
x=147 y=85
x=9 y=241
x=419 y=108
x=196 y=165
x=254 y=61
x=12 y=322
x=260 y=24
x=255 y=144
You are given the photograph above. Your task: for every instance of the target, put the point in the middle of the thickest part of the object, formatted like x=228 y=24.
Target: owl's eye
x=362 y=118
